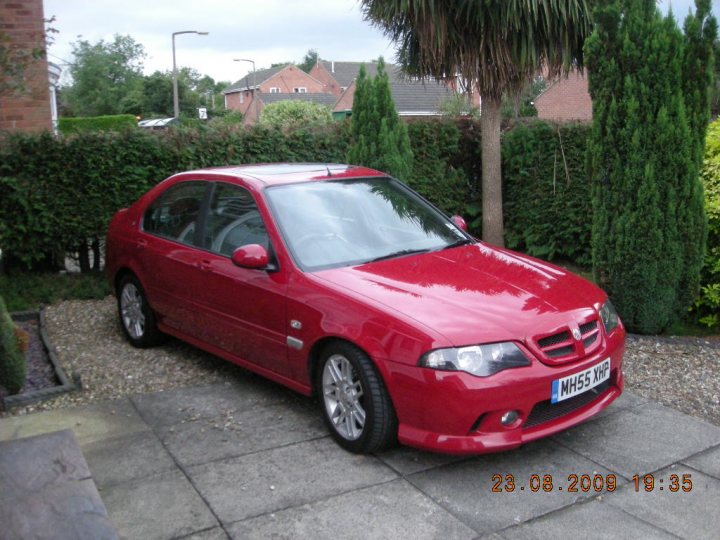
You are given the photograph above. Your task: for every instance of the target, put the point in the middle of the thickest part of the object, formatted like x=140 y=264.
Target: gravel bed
x=683 y=373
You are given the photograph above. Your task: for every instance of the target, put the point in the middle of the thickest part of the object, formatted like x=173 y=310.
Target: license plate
x=577 y=383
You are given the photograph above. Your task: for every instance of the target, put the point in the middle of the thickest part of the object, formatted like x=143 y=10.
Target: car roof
x=268 y=174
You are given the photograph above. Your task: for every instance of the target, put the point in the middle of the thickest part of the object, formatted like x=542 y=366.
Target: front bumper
x=458 y=413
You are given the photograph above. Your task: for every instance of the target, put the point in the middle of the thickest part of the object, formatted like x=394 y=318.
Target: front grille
x=588 y=327
x=555 y=339
x=545 y=411
x=561 y=346
x=562 y=351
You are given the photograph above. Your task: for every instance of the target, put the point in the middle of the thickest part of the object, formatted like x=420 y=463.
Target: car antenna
x=328 y=170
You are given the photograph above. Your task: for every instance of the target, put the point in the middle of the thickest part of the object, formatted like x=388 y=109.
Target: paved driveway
x=248 y=459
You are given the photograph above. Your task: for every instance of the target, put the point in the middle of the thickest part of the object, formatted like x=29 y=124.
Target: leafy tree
x=707 y=305
x=647 y=200
x=194 y=90
x=458 y=105
x=294 y=114
x=107 y=77
x=498 y=45
x=380 y=139
x=521 y=105
x=309 y=60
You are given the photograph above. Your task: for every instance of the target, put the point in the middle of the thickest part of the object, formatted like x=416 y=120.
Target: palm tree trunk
x=492 y=212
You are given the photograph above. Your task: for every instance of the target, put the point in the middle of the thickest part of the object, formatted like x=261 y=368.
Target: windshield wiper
x=461 y=242
x=398 y=254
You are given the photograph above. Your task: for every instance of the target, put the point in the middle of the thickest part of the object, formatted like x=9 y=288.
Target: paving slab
x=160 y=506
x=691 y=515
x=465 y=488
x=31 y=464
x=126 y=458
x=47 y=491
x=594 y=519
x=707 y=462
x=259 y=427
x=405 y=460
x=275 y=479
x=90 y=423
x=216 y=533
x=392 y=511
x=641 y=440
x=203 y=402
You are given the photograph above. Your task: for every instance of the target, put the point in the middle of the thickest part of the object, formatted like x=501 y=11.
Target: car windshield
x=348 y=222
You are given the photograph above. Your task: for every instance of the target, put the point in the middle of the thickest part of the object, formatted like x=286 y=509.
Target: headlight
x=480 y=360
x=609 y=316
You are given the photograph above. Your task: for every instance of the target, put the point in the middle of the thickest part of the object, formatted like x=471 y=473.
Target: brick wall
x=345 y=103
x=320 y=73
x=23 y=22
x=289 y=78
x=565 y=100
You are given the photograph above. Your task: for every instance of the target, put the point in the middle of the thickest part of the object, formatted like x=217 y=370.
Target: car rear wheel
x=355 y=404
x=136 y=318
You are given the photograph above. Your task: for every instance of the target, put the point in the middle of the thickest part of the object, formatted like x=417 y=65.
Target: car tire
x=355 y=404
x=136 y=317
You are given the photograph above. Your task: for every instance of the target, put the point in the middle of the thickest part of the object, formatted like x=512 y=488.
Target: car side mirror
x=252 y=256
x=460 y=223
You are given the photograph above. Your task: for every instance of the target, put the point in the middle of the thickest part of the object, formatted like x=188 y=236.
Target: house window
x=274 y=90
x=242 y=97
x=300 y=90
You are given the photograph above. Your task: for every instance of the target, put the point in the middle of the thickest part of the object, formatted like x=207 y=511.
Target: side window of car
x=174 y=214
x=233 y=221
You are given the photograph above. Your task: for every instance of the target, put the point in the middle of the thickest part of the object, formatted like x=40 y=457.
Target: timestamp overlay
x=578 y=482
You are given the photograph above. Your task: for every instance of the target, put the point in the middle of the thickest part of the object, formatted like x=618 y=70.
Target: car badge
x=576 y=333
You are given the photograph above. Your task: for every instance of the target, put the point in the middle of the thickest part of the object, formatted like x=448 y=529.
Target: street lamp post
x=253 y=65
x=176 y=103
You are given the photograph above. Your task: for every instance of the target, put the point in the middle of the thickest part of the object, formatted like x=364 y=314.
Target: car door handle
x=205 y=265
x=141 y=244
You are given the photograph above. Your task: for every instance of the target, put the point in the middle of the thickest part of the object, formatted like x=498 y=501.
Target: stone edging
x=66 y=384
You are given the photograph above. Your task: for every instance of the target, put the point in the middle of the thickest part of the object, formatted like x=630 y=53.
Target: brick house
x=566 y=99
x=338 y=76
x=332 y=84
x=284 y=80
x=23 y=23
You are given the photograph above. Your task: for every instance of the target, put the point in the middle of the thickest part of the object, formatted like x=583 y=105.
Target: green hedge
x=547 y=205
x=57 y=193
x=117 y=122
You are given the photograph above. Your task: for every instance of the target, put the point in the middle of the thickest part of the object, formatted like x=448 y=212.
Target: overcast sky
x=266 y=31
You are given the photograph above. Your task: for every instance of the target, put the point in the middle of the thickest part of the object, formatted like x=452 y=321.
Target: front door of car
x=243 y=310
x=168 y=255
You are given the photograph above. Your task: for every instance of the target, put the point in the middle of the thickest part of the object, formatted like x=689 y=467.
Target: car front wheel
x=355 y=404
x=136 y=317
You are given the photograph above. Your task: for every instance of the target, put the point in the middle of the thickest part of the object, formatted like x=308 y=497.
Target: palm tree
x=498 y=45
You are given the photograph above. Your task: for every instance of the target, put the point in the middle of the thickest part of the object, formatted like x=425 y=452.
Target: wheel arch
x=316 y=352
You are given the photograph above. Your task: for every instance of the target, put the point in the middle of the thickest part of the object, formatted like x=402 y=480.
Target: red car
x=339 y=281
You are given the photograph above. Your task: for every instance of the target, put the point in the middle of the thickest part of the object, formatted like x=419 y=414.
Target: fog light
x=509 y=418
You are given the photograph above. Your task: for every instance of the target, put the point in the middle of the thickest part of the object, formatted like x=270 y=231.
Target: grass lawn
x=24 y=291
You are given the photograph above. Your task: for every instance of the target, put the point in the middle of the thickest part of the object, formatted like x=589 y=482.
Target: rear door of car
x=168 y=254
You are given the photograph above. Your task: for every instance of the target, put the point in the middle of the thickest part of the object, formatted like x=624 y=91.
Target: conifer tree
x=700 y=31
x=648 y=223
x=380 y=139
